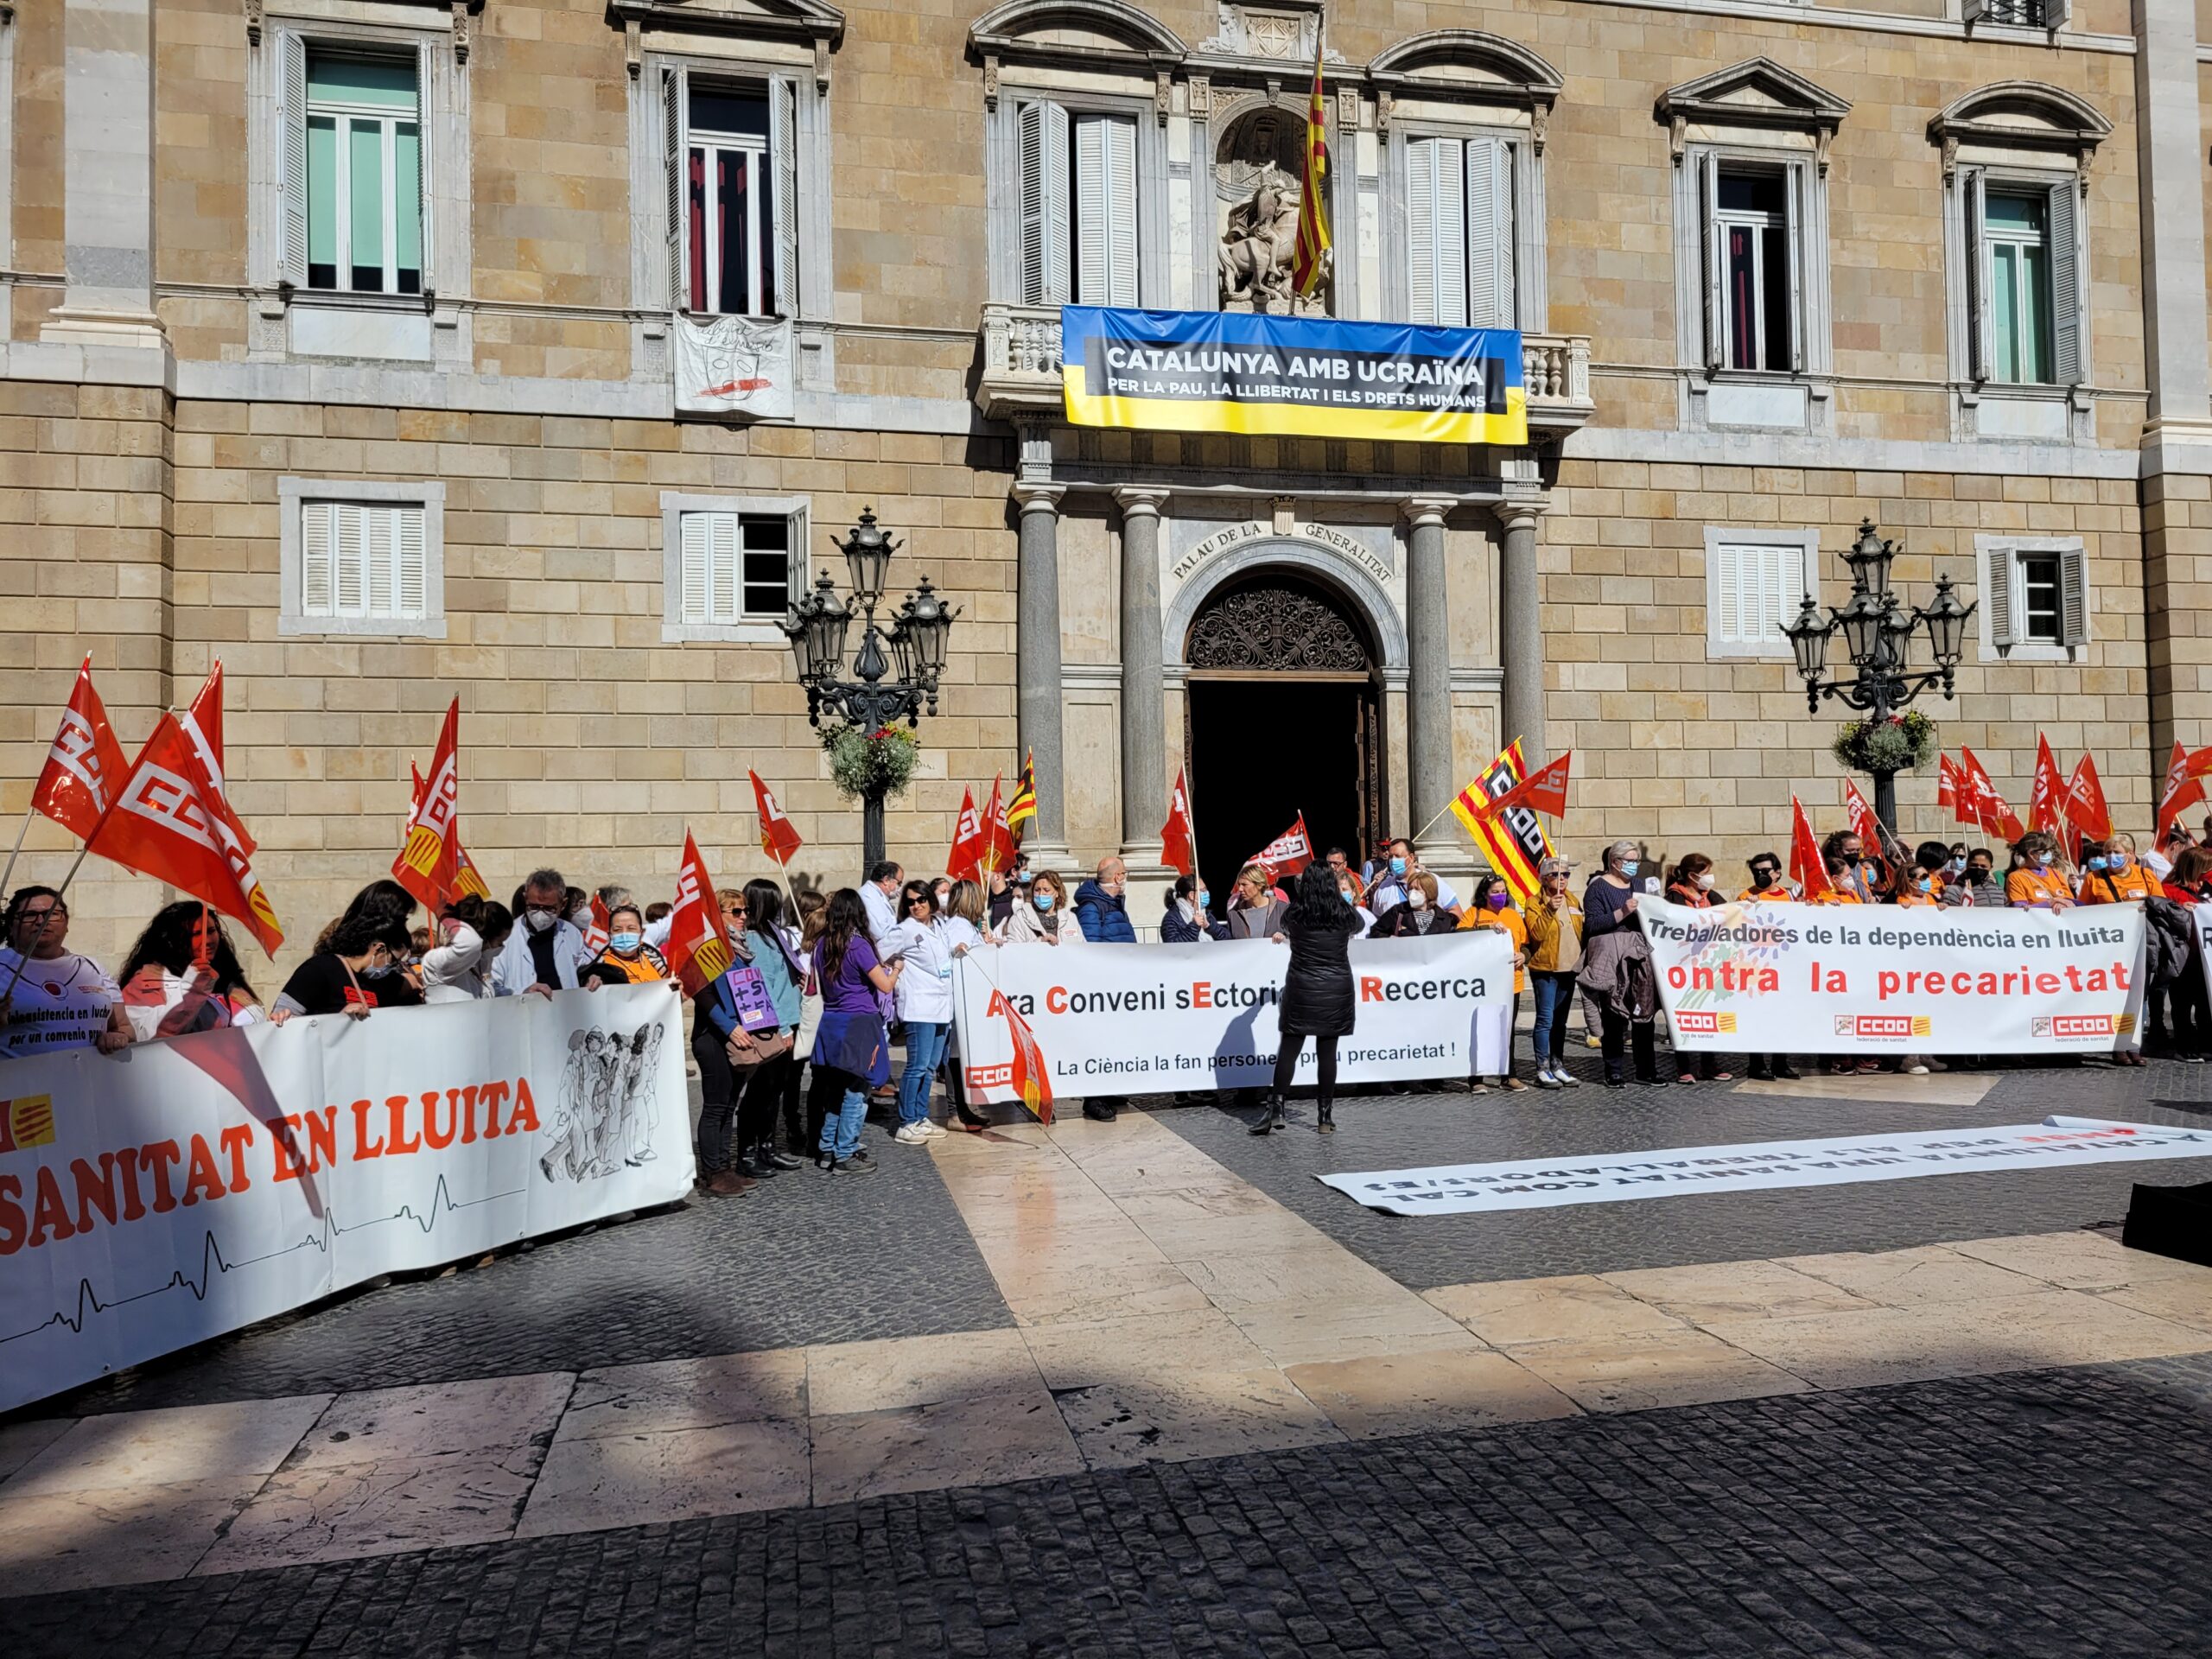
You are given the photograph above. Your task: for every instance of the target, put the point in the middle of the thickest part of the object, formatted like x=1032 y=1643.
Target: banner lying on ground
x=1156 y=1018
x=1606 y=1177
x=1311 y=376
x=1856 y=979
x=178 y=1190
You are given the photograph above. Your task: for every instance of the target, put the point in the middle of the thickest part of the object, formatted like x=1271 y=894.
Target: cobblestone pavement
x=801 y=1259
x=2056 y=1513
x=1409 y=1131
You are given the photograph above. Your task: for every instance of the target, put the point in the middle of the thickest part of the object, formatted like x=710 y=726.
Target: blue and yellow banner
x=1291 y=377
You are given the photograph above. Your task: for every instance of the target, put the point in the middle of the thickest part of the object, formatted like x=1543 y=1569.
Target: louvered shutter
x=2073 y=596
x=674 y=102
x=1045 y=234
x=350 y=558
x=2065 y=220
x=317 y=556
x=1122 y=217
x=1981 y=339
x=722 y=555
x=380 y=536
x=2055 y=12
x=1728 y=595
x=783 y=165
x=694 y=596
x=1709 y=231
x=1450 y=233
x=1996 y=594
x=1420 y=227
x=292 y=156
x=1795 y=197
x=1092 y=207
x=424 y=145
x=410 y=564
x=1790 y=587
x=795 y=554
x=1490 y=233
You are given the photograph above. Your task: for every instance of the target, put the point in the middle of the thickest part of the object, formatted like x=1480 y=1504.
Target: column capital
x=1521 y=511
x=1038 y=497
x=1423 y=510
x=1137 y=500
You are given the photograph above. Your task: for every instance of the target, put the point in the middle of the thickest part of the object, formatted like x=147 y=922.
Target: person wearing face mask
x=1317 y=996
x=51 y=998
x=1102 y=906
x=2111 y=875
x=546 y=952
x=1388 y=889
x=1767 y=886
x=1690 y=883
x=1419 y=914
x=353 y=976
x=627 y=960
x=1616 y=975
x=1554 y=927
x=182 y=976
x=1492 y=907
x=922 y=948
x=1186 y=921
x=470 y=933
x=1045 y=918
x=2033 y=884
x=1349 y=887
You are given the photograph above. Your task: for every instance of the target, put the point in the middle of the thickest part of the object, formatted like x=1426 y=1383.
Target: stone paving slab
x=1409 y=1131
x=2053 y=1514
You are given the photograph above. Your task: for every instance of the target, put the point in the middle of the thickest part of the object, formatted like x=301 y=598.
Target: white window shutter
x=795 y=552
x=783 y=167
x=2065 y=222
x=1489 y=234
x=2056 y=13
x=410 y=563
x=1709 y=246
x=1728 y=595
x=424 y=147
x=723 y=536
x=1451 y=233
x=318 y=538
x=1044 y=232
x=1121 y=215
x=292 y=156
x=1794 y=196
x=1997 y=595
x=675 y=106
x=1421 y=160
x=350 y=556
x=1092 y=207
x=1980 y=337
x=2073 y=596
x=380 y=534
x=693 y=599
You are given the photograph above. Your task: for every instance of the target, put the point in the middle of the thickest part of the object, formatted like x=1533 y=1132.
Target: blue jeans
x=840 y=1130
x=924 y=1049
x=1554 y=996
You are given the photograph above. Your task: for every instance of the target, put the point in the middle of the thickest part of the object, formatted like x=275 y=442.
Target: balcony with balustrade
x=1021 y=369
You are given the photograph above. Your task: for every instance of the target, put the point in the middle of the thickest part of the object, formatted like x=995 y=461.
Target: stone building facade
x=346 y=343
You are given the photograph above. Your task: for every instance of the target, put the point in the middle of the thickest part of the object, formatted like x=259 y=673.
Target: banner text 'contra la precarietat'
x=1308 y=377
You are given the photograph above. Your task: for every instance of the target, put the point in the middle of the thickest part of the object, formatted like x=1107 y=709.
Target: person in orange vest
x=1769 y=888
x=2033 y=884
x=2111 y=875
x=1492 y=907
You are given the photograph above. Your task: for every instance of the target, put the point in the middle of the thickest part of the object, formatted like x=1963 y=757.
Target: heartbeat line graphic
x=213 y=1261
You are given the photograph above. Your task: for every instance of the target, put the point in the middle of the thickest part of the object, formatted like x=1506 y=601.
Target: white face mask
x=1705 y=882
x=1417 y=898
x=539 y=920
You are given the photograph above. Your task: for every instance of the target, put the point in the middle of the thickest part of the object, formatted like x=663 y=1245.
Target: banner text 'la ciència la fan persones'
x=1874 y=979
x=156 y=1197
x=1156 y=1018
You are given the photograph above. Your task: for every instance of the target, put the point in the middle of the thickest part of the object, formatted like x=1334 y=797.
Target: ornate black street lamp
x=816 y=626
x=1877 y=630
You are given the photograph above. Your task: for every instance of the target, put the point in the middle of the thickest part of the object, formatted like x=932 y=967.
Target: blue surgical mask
x=1397 y=866
x=2041 y=861
x=1628 y=867
x=1042 y=900
x=625 y=943
x=2099 y=865
x=2119 y=861
x=1204 y=898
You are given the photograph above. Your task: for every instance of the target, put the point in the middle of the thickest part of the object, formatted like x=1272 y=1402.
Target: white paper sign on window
x=734 y=365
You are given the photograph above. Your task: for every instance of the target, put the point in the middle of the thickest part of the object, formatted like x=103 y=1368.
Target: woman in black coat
x=1316 y=993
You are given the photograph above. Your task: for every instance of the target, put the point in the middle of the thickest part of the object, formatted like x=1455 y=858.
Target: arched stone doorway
x=1282 y=716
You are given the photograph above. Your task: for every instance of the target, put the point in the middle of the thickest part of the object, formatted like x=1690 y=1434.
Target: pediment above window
x=812 y=21
x=2009 y=117
x=1753 y=100
x=1075 y=33
x=1465 y=66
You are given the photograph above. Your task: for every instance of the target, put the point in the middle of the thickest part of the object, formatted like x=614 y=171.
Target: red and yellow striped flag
x=1309 y=259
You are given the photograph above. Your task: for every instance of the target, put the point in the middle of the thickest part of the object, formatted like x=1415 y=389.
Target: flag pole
x=8 y=995
x=22 y=830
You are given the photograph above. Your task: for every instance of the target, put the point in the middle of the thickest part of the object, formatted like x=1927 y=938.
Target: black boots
x=1327 y=1123
x=1270 y=1114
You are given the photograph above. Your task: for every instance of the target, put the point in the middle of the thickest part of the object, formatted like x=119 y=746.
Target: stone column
x=1144 y=740
x=1520 y=632
x=1428 y=650
x=108 y=177
x=2169 y=157
x=1037 y=664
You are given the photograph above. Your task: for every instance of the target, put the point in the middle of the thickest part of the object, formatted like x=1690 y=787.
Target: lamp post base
x=1886 y=802
x=871 y=833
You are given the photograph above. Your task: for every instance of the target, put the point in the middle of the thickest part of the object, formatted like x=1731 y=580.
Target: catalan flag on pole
x=1021 y=809
x=1309 y=260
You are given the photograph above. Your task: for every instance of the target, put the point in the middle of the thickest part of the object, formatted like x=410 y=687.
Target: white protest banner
x=1608 y=1177
x=1866 y=979
x=154 y=1198
x=1149 y=1019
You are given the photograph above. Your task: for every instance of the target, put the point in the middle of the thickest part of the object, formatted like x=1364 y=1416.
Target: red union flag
x=2085 y=801
x=2184 y=788
x=1807 y=868
x=1947 y=783
x=698 y=947
x=85 y=766
x=1177 y=850
x=1032 y=1078
x=467 y=878
x=964 y=863
x=2046 y=797
x=429 y=865
x=171 y=823
x=1543 y=790
x=1288 y=854
x=1991 y=810
x=779 y=838
x=203 y=729
x=999 y=843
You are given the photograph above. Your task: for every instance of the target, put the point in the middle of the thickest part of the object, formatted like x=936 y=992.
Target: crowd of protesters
x=793 y=1042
